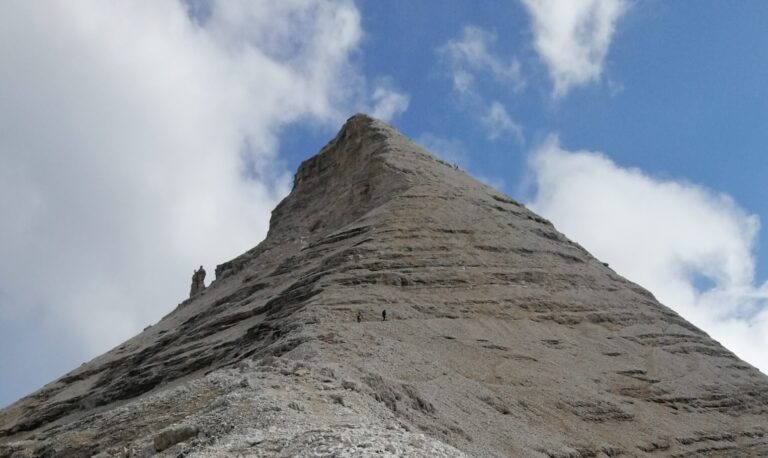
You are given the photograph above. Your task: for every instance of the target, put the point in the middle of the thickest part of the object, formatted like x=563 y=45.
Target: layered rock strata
x=503 y=338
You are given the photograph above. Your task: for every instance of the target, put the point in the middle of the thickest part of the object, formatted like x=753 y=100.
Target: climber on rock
x=383 y=315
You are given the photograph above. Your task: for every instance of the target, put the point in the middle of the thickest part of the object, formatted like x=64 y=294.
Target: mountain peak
x=365 y=165
x=397 y=306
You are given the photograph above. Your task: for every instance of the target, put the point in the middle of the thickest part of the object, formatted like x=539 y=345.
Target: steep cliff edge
x=503 y=338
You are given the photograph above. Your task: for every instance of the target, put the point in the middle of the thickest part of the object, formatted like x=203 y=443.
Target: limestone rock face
x=502 y=338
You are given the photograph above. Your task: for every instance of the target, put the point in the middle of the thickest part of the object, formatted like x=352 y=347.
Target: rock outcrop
x=502 y=338
x=198 y=282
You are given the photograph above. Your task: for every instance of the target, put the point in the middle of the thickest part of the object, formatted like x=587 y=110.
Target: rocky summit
x=502 y=338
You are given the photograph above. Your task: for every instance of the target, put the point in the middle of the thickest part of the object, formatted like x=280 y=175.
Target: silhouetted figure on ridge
x=198 y=282
x=383 y=315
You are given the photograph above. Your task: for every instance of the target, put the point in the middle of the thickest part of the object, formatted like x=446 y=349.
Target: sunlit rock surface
x=502 y=338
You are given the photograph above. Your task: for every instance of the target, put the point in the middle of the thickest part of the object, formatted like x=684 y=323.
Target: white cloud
x=573 y=38
x=665 y=235
x=498 y=123
x=472 y=54
x=388 y=102
x=137 y=143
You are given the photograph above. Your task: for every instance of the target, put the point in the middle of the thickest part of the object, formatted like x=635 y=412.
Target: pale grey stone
x=503 y=338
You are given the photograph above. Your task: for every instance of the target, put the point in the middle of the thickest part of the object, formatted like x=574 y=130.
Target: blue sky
x=140 y=139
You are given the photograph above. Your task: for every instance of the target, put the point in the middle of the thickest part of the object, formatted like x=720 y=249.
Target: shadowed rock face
x=503 y=338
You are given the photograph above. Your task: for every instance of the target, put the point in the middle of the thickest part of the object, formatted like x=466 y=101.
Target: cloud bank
x=573 y=37
x=138 y=140
x=692 y=247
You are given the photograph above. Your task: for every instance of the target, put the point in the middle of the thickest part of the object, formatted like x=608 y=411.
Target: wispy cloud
x=667 y=236
x=471 y=57
x=573 y=38
x=472 y=54
x=498 y=123
x=388 y=102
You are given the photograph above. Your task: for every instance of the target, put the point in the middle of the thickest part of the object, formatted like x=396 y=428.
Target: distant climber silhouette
x=198 y=282
x=383 y=315
x=359 y=316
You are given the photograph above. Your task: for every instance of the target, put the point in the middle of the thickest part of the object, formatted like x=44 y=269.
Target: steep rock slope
x=503 y=338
